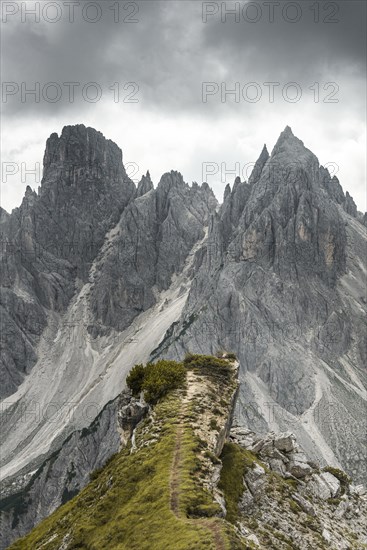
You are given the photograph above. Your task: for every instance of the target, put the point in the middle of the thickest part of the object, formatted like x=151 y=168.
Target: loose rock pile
x=323 y=509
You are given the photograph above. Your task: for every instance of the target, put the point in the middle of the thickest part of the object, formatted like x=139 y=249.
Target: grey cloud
x=170 y=52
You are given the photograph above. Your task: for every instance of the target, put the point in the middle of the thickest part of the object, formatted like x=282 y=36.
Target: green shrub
x=135 y=379
x=156 y=379
x=208 y=365
x=161 y=377
x=188 y=357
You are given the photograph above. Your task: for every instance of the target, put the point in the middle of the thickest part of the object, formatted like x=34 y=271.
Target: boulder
x=341 y=509
x=304 y=504
x=285 y=442
x=332 y=482
x=277 y=465
x=247 y=501
x=255 y=479
x=319 y=488
x=299 y=469
x=267 y=449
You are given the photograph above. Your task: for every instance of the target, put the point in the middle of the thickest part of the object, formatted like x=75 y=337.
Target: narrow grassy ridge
x=160 y=496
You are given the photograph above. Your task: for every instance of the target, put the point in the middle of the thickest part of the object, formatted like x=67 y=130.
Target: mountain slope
x=282 y=283
x=50 y=241
x=99 y=275
x=158 y=493
x=138 y=273
x=180 y=484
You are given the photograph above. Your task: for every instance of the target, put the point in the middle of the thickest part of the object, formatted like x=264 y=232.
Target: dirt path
x=175 y=473
x=209 y=524
x=217 y=534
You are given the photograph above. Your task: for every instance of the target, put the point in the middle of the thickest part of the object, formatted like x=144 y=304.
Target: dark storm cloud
x=170 y=51
x=299 y=46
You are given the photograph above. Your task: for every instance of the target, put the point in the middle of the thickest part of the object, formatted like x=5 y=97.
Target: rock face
x=50 y=242
x=98 y=275
x=151 y=243
x=280 y=284
x=52 y=238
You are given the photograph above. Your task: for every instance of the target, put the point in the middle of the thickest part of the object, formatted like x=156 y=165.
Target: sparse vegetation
x=214 y=425
x=156 y=379
x=208 y=365
x=235 y=463
x=129 y=502
x=294 y=507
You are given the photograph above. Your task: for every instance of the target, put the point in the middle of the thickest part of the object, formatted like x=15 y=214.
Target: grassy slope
x=128 y=505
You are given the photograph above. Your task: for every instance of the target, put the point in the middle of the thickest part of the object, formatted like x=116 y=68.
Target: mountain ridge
x=275 y=273
x=212 y=487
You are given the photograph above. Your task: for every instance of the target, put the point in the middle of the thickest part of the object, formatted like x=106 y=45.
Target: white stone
x=253 y=538
x=318 y=487
x=341 y=509
x=332 y=482
x=326 y=535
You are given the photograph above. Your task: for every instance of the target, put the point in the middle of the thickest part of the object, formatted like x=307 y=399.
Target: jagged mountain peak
x=275 y=275
x=290 y=150
x=227 y=192
x=259 y=165
x=171 y=179
x=145 y=185
x=81 y=149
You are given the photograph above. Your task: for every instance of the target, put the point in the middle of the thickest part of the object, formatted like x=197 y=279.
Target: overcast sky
x=159 y=55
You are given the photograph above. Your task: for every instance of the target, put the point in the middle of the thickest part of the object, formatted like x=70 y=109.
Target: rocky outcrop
x=288 y=499
x=171 y=464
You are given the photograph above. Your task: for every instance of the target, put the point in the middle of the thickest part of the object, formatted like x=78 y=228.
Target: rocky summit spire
x=259 y=165
x=145 y=185
x=85 y=187
x=227 y=192
x=289 y=143
x=81 y=151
